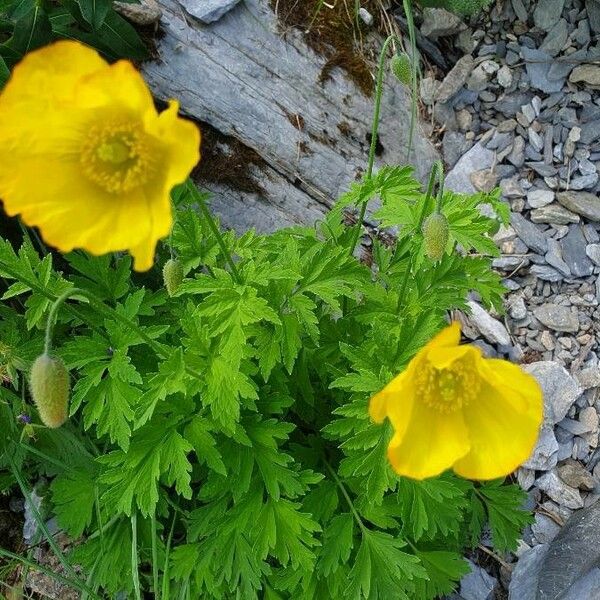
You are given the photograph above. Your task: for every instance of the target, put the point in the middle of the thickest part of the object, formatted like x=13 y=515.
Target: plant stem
x=437 y=171
x=193 y=190
x=113 y=314
x=134 y=558
x=413 y=75
x=374 y=133
x=41 y=290
x=339 y=483
x=52 y=317
x=154 y=557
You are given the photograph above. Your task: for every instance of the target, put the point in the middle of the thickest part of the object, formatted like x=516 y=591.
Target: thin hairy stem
x=414 y=62
x=374 y=132
x=339 y=483
x=193 y=190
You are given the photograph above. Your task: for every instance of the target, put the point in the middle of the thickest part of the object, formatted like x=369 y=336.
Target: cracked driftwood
x=245 y=79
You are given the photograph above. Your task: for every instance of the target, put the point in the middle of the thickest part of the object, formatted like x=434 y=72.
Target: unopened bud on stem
x=172 y=275
x=401 y=67
x=49 y=385
x=435 y=234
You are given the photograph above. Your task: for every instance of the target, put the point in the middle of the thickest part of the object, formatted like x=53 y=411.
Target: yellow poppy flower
x=453 y=408
x=86 y=157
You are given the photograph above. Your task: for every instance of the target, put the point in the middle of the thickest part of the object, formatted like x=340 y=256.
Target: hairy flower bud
x=172 y=275
x=401 y=67
x=435 y=234
x=49 y=385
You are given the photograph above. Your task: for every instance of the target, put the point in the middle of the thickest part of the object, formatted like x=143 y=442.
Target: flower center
x=450 y=389
x=117 y=156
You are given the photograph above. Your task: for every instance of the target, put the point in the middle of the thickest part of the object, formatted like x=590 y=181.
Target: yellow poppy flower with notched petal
x=452 y=408
x=86 y=157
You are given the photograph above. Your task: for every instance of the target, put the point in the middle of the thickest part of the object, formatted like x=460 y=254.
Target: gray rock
x=545 y=454
x=556 y=317
x=438 y=22
x=554 y=214
x=454 y=145
x=529 y=234
x=593 y=11
x=574 y=474
x=504 y=76
x=520 y=10
x=554 y=257
x=517 y=309
x=589 y=74
x=583 y=203
x=562 y=66
x=574 y=252
x=593 y=251
x=571 y=557
x=589 y=378
x=586 y=588
x=517 y=154
x=477 y=585
x=583 y=182
x=208 y=11
x=477 y=158
x=491 y=329
x=537 y=65
x=556 y=38
x=541 y=168
x=546 y=273
x=547 y=13
x=524 y=580
x=559 y=491
x=544 y=529
x=560 y=389
x=455 y=79
x=539 y=198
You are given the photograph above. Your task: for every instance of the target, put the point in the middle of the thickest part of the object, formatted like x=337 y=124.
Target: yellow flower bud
x=172 y=275
x=401 y=67
x=435 y=234
x=49 y=385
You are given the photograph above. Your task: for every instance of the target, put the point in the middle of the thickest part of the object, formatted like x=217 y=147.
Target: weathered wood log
x=251 y=83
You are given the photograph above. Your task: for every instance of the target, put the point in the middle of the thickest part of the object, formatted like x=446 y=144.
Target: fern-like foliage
x=230 y=420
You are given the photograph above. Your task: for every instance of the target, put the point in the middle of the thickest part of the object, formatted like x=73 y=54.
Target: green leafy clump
x=219 y=443
x=463 y=8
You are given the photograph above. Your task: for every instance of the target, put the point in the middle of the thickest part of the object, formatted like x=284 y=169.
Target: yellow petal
x=180 y=140
x=72 y=212
x=449 y=336
x=503 y=422
x=62 y=111
x=394 y=401
x=119 y=86
x=441 y=357
x=50 y=73
x=432 y=443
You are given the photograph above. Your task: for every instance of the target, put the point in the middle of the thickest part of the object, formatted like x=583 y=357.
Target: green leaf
x=94 y=11
x=286 y=534
x=382 y=570
x=205 y=445
x=157 y=451
x=73 y=496
x=431 y=507
x=120 y=39
x=338 y=540
x=32 y=31
x=503 y=504
x=108 y=557
x=444 y=571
